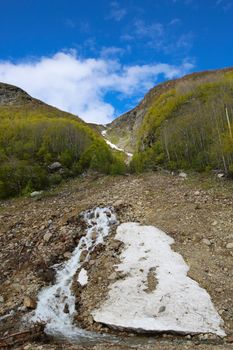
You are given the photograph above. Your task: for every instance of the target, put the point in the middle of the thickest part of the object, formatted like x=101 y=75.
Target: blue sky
x=98 y=58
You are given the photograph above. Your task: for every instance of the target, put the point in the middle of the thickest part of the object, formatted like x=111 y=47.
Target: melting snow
x=115 y=146
x=56 y=304
x=83 y=277
x=176 y=304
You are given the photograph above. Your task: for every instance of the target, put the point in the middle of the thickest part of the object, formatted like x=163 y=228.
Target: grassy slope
x=181 y=124
x=33 y=135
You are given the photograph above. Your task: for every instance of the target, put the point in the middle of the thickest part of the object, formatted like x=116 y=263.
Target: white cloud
x=117 y=13
x=80 y=85
x=111 y=51
x=162 y=37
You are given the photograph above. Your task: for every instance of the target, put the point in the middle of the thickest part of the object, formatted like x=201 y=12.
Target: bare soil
x=36 y=233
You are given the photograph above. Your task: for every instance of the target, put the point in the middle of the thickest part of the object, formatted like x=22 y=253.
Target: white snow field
x=176 y=304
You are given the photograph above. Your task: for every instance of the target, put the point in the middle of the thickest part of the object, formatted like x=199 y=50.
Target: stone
x=55 y=166
x=83 y=256
x=90 y=320
x=206 y=241
x=36 y=194
x=66 y=309
x=229 y=245
x=94 y=235
x=162 y=309
x=113 y=276
x=67 y=255
x=118 y=203
x=47 y=236
x=230 y=339
x=214 y=223
x=197 y=193
x=116 y=245
x=1 y=299
x=29 y=302
x=183 y=175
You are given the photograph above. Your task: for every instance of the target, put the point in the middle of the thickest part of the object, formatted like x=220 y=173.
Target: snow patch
x=113 y=146
x=83 y=277
x=177 y=304
x=56 y=304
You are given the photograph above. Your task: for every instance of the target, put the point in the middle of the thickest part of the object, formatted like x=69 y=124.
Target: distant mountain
x=183 y=123
x=41 y=145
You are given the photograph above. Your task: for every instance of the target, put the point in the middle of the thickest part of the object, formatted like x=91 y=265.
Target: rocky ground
x=35 y=233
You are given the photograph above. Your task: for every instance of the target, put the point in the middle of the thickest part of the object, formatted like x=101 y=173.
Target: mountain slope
x=34 y=135
x=183 y=123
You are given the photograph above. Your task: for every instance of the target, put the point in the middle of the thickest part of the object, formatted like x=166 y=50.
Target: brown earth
x=35 y=234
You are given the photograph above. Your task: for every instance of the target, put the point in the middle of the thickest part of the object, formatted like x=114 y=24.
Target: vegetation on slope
x=189 y=126
x=34 y=135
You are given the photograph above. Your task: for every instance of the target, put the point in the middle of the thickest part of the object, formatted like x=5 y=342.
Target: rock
x=67 y=255
x=47 y=236
x=118 y=203
x=197 y=193
x=47 y=275
x=221 y=175
x=230 y=339
x=90 y=320
x=94 y=235
x=116 y=245
x=203 y=336
x=206 y=241
x=55 y=166
x=183 y=175
x=83 y=256
x=29 y=303
x=36 y=194
x=162 y=309
x=66 y=309
x=1 y=299
x=229 y=245
x=214 y=223
x=113 y=276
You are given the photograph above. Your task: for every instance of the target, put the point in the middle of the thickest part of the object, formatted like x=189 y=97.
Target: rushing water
x=56 y=303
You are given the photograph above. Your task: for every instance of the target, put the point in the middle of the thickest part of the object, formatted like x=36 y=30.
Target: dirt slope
x=35 y=234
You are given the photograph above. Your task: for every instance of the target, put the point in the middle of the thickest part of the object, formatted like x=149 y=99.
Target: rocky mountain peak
x=12 y=95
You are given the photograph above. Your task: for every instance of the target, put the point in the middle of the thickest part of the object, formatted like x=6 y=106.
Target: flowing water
x=56 y=303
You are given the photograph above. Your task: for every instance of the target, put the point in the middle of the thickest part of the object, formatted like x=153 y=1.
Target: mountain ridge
x=135 y=116
x=196 y=105
x=34 y=136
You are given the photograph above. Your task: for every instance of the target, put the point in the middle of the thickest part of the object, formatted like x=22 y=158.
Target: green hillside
x=183 y=124
x=34 y=135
